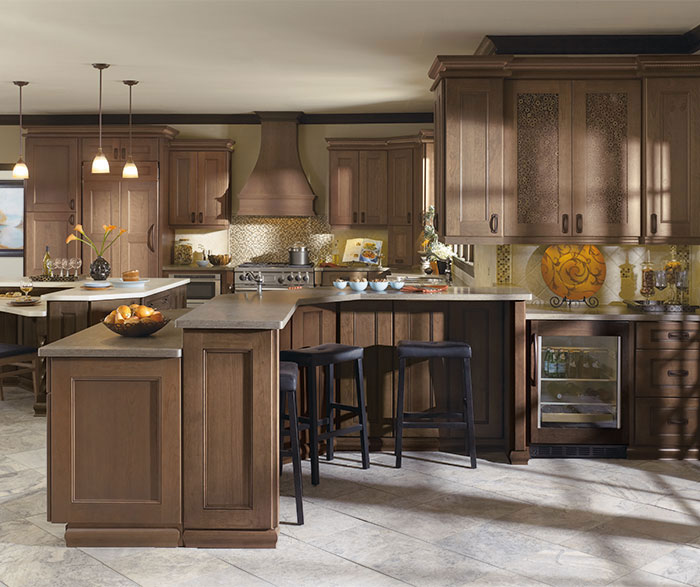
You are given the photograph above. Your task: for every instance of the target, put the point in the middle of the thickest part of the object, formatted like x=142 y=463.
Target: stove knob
x=298 y=277
x=241 y=277
x=290 y=278
x=280 y=279
x=306 y=278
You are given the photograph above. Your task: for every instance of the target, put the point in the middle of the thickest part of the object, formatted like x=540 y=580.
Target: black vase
x=100 y=269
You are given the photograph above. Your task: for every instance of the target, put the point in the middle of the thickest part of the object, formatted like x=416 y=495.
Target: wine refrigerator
x=580 y=374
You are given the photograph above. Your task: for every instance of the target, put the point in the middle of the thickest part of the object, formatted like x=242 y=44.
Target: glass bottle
x=648 y=281
x=45 y=262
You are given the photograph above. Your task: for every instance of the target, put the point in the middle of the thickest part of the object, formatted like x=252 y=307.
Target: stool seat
x=424 y=349
x=12 y=350
x=323 y=354
x=288 y=376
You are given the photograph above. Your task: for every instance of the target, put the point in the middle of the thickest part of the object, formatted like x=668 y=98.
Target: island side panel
x=230 y=438
x=115 y=469
x=517 y=339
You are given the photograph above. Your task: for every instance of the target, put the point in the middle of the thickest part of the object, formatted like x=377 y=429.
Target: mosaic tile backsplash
x=520 y=265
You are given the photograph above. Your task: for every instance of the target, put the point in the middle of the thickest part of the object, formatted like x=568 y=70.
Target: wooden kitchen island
x=124 y=471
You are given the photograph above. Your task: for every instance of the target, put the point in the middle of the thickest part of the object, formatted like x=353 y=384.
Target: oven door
x=201 y=288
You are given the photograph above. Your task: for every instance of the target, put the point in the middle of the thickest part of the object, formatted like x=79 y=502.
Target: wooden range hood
x=277 y=185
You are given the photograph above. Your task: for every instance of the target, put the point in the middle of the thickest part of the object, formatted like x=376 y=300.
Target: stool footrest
x=340 y=432
x=345 y=407
x=432 y=415
x=434 y=425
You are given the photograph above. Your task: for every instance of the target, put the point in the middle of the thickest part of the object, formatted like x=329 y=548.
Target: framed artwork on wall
x=11 y=218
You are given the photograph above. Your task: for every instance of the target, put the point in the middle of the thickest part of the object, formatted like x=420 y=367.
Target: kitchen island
x=122 y=489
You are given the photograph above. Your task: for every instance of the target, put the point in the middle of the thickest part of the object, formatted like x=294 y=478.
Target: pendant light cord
x=130 y=88
x=100 y=119
x=20 y=122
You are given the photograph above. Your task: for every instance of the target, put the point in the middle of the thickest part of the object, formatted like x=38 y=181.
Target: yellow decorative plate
x=573 y=272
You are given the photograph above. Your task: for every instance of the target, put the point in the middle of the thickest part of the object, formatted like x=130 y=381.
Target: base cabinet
x=109 y=417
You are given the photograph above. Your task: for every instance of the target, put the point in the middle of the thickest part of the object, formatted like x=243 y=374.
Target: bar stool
x=327 y=355
x=409 y=349
x=24 y=360
x=288 y=394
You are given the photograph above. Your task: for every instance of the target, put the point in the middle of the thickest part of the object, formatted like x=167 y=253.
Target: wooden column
x=519 y=450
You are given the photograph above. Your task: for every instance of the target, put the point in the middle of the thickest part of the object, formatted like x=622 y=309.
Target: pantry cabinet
x=568 y=130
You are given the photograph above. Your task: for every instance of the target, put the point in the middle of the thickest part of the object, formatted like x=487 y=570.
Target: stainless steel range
x=273 y=276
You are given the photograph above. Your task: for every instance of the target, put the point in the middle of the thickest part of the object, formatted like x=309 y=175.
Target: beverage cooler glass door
x=578 y=381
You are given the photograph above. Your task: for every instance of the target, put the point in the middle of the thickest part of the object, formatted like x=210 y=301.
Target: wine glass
x=682 y=284
x=26 y=285
x=78 y=265
x=71 y=265
x=58 y=264
x=660 y=280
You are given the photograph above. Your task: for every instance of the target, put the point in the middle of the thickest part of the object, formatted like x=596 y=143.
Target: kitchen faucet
x=257 y=277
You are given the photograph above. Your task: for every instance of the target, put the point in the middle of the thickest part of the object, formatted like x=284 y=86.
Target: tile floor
x=434 y=522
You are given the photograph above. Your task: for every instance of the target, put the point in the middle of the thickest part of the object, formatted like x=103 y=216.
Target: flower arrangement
x=429 y=245
x=88 y=241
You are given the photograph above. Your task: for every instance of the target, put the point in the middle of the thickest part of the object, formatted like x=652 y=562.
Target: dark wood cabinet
x=50 y=229
x=401 y=182
x=344 y=187
x=107 y=417
x=402 y=246
x=372 y=189
x=200 y=183
x=672 y=123
x=131 y=204
x=116 y=149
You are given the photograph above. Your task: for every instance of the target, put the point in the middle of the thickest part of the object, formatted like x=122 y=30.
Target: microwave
x=202 y=286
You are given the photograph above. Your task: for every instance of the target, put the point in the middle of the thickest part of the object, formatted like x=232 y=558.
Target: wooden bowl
x=141 y=328
x=219 y=259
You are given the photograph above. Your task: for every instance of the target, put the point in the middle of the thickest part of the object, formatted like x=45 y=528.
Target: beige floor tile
x=58 y=530
x=647 y=520
x=503 y=578
x=682 y=564
x=35 y=459
x=20 y=484
x=643 y=579
x=24 y=532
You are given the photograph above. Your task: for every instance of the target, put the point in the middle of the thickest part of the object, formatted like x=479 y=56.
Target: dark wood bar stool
x=288 y=395
x=23 y=359
x=409 y=349
x=327 y=355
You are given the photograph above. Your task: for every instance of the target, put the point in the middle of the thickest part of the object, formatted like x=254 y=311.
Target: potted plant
x=438 y=254
x=100 y=267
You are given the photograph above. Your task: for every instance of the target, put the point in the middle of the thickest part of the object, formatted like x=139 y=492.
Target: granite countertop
x=78 y=294
x=607 y=312
x=273 y=309
x=38 y=311
x=98 y=341
x=188 y=268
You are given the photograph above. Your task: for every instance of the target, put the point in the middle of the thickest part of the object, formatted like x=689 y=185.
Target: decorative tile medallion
x=504 y=266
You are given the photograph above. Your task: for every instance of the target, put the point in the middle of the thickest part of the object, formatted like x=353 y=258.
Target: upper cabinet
x=199 y=183
x=116 y=148
x=550 y=149
x=54 y=175
x=672 y=122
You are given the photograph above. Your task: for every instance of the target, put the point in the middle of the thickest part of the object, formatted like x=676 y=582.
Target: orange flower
x=121 y=231
x=79 y=228
x=71 y=237
x=109 y=228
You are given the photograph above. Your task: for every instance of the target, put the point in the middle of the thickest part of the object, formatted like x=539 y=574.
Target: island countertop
x=98 y=341
x=79 y=294
x=607 y=312
x=273 y=309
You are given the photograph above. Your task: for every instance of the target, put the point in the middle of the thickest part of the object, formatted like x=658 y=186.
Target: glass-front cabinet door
x=578 y=381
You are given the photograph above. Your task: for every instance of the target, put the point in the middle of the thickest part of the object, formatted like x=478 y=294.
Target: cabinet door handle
x=116 y=153
x=408 y=218
x=533 y=354
x=679 y=335
x=362 y=217
x=435 y=221
x=123 y=152
x=654 y=223
x=193 y=217
x=71 y=219
x=72 y=204
x=565 y=223
x=493 y=223
x=678 y=421
x=579 y=223
x=201 y=218
x=400 y=261
x=677 y=373
x=150 y=238
x=354 y=217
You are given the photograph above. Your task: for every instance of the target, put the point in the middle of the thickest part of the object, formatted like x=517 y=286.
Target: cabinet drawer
x=667 y=422
x=667 y=373
x=668 y=335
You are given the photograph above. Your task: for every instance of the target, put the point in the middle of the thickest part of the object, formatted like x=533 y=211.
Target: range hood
x=278 y=185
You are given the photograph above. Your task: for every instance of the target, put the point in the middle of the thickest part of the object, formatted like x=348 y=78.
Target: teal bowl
x=357 y=285
x=379 y=285
x=397 y=284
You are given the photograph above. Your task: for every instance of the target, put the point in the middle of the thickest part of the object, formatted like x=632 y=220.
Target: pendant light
x=100 y=163
x=20 y=171
x=130 y=170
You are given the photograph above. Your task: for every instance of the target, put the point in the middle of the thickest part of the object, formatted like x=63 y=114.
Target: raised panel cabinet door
x=182 y=186
x=139 y=216
x=101 y=206
x=111 y=147
x=400 y=186
x=344 y=187
x=672 y=123
x=50 y=229
x=213 y=188
x=230 y=435
x=474 y=157
x=54 y=175
x=439 y=175
x=538 y=159
x=373 y=192
x=115 y=439
x=607 y=158
x=401 y=246
x=142 y=150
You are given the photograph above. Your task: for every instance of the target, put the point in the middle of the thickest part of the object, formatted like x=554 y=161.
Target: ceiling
x=223 y=57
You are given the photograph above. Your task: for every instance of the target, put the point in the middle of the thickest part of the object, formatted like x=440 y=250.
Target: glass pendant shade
x=100 y=163
x=20 y=171
x=130 y=171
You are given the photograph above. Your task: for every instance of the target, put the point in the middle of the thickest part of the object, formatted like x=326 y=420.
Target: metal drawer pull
x=680 y=334
x=677 y=373
x=681 y=422
x=579 y=223
x=565 y=223
x=192 y=216
x=408 y=218
x=116 y=152
x=654 y=223
x=493 y=223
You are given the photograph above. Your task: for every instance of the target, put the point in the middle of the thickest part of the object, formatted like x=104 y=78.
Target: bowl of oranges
x=135 y=320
